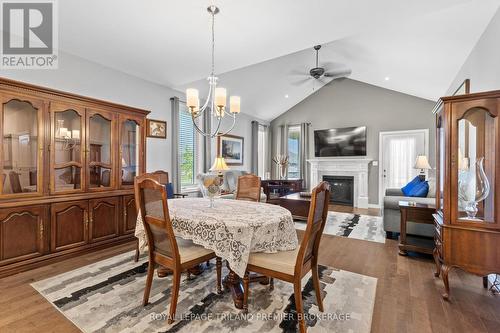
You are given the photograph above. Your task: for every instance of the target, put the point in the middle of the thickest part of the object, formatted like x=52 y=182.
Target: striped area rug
x=107 y=297
x=365 y=227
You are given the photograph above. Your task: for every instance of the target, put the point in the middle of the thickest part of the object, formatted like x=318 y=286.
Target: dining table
x=231 y=228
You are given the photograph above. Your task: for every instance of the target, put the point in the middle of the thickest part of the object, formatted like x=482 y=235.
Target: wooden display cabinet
x=467 y=222
x=67 y=164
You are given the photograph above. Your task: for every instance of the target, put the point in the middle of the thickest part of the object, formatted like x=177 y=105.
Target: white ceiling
x=420 y=45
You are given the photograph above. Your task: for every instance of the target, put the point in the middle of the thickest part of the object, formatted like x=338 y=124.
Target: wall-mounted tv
x=348 y=141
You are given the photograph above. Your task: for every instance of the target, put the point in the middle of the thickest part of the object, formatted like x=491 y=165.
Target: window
x=262 y=151
x=187 y=149
x=293 y=152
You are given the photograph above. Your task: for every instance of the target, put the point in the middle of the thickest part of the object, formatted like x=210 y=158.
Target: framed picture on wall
x=156 y=129
x=230 y=147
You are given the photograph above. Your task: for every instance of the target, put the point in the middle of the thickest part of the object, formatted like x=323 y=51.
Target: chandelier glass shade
x=216 y=101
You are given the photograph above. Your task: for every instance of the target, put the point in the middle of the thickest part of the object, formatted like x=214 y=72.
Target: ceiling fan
x=318 y=73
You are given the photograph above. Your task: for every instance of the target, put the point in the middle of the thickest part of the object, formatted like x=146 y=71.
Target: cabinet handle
x=125 y=212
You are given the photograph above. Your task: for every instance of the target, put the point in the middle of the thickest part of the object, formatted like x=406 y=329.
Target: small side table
x=417 y=213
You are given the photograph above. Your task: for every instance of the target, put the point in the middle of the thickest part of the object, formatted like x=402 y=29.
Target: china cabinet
x=467 y=222
x=67 y=164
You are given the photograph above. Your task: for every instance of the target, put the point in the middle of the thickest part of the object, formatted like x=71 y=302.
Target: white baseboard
x=377 y=206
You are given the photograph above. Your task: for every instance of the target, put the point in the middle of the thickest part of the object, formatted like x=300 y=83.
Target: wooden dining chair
x=248 y=188
x=15 y=183
x=165 y=249
x=291 y=266
x=161 y=177
x=106 y=178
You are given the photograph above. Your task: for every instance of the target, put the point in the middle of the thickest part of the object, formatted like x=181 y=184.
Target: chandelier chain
x=213 y=43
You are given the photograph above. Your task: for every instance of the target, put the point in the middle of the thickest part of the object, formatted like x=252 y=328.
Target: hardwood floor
x=350 y=209
x=408 y=296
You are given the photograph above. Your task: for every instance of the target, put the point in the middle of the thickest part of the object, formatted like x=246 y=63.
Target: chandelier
x=216 y=100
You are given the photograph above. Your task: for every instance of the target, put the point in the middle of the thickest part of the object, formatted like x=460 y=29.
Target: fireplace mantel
x=355 y=167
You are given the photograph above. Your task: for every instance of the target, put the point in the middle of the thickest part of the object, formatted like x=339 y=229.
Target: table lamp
x=219 y=166
x=423 y=164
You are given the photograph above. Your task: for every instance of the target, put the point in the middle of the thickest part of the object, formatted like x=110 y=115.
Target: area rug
x=107 y=297
x=365 y=227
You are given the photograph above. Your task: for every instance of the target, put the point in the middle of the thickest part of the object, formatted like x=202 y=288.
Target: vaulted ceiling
x=261 y=45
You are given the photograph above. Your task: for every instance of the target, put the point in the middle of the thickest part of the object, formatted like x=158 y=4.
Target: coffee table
x=297 y=205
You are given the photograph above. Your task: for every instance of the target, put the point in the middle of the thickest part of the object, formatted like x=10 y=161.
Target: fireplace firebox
x=341 y=189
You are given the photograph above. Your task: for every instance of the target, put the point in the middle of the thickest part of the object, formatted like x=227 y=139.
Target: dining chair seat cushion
x=281 y=261
x=187 y=250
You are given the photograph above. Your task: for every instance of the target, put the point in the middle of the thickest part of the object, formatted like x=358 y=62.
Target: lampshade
x=192 y=100
x=220 y=96
x=219 y=164
x=234 y=104
x=422 y=163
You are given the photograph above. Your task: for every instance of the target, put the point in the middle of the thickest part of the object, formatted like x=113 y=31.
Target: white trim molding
x=355 y=167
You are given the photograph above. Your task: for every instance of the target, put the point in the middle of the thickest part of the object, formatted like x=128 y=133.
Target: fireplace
x=354 y=167
x=341 y=189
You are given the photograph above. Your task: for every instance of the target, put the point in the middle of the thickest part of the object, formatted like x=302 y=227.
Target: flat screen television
x=348 y=141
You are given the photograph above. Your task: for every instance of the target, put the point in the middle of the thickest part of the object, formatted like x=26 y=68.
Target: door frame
x=382 y=134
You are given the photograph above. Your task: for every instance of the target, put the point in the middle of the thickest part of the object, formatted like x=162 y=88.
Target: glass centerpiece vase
x=474 y=187
x=212 y=186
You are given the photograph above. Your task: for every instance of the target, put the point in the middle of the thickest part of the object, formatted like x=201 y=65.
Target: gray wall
x=346 y=102
x=482 y=66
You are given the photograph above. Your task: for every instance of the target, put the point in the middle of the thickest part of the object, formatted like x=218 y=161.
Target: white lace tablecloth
x=232 y=229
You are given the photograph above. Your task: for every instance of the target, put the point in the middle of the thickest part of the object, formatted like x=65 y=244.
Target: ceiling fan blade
x=336 y=74
x=300 y=82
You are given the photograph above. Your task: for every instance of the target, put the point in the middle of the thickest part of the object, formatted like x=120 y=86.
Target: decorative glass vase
x=282 y=171
x=212 y=187
x=473 y=187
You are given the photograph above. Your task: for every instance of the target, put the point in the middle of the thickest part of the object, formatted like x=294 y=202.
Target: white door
x=399 y=151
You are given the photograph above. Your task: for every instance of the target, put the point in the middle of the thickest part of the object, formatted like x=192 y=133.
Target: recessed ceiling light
x=286 y=96
x=387 y=78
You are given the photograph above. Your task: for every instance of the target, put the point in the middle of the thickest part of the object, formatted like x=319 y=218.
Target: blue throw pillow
x=420 y=190
x=170 y=191
x=408 y=187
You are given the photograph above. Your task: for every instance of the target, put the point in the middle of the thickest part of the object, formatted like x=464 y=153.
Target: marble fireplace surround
x=336 y=166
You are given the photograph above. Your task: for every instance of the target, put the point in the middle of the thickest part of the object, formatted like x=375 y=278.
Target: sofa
x=229 y=184
x=392 y=215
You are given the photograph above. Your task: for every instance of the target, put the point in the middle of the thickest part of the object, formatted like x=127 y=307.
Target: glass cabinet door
x=100 y=151
x=131 y=132
x=67 y=140
x=22 y=146
x=474 y=154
